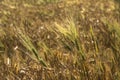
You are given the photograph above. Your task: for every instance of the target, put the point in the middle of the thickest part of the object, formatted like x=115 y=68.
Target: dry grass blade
x=94 y=40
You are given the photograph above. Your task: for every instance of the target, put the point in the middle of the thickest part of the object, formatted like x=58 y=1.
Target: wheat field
x=59 y=40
